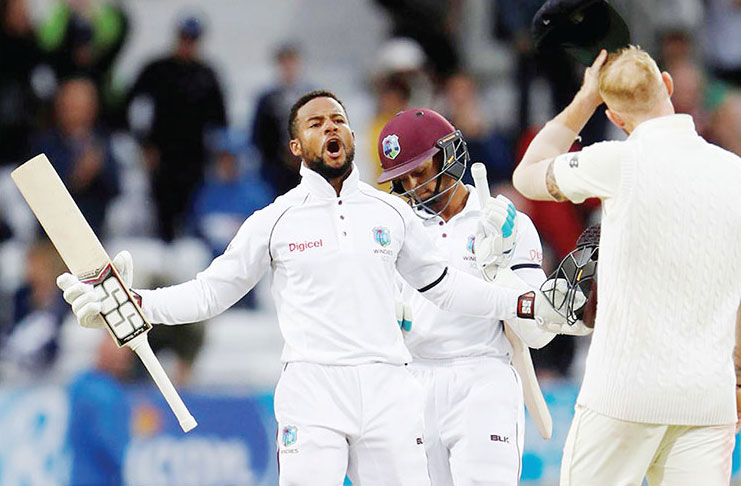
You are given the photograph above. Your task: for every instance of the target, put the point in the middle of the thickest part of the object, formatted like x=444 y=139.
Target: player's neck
x=457 y=202
x=337 y=182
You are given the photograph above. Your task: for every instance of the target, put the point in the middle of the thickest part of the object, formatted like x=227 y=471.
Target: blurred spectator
x=723 y=31
x=392 y=96
x=174 y=101
x=403 y=60
x=81 y=153
x=19 y=60
x=715 y=105
x=432 y=23
x=30 y=344
x=676 y=23
x=464 y=110
x=229 y=195
x=270 y=122
x=5 y=232
x=675 y=46
x=100 y=418
x=84 y=38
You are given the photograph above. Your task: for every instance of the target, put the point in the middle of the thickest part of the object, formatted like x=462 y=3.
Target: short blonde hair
x=630 y=81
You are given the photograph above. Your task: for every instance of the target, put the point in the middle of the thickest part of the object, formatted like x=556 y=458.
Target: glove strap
x=526 y=306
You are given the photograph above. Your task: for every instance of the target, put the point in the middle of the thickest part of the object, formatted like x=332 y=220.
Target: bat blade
x=86 y=258
x=60 y=217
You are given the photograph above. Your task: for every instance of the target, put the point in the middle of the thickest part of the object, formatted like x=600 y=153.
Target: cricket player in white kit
x=345 y=402
x=474 y=415
x=658 y=397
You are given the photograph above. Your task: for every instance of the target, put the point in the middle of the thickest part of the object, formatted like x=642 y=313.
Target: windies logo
x=391 y=147
x=471 y=243
x=382 y=235
x=288 y=436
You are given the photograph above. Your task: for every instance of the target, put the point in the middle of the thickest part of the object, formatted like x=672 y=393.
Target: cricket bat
x=86 y=258
x=521 y=359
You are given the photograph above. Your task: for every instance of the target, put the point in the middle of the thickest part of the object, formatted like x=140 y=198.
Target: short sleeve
x=591 y=172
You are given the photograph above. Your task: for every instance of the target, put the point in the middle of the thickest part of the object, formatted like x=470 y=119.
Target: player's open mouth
x=333 y=147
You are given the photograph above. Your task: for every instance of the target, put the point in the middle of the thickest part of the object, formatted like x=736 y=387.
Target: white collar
x=318 y=185
x=678 y=121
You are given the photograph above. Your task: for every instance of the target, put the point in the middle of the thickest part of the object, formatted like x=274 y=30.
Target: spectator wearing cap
x=229 y=195
x=174 y=102
x=270 y=121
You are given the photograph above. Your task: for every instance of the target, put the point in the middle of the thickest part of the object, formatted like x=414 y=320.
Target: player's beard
x=318 y=165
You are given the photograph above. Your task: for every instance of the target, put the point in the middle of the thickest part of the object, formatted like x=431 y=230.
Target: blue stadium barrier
x=233 y=445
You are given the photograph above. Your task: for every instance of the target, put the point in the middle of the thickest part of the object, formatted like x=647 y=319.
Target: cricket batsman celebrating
x=345 y=402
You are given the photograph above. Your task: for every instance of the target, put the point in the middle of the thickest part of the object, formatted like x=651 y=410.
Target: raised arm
x=534 y=176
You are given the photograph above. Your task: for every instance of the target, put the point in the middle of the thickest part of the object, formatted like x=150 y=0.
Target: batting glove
x=86 y=301
x=403 y=315
x=495 y=236
x=532 y=305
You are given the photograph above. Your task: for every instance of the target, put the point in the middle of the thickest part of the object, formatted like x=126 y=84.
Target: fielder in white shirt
x=345 y=402
x=658 y=396
x=474 y=414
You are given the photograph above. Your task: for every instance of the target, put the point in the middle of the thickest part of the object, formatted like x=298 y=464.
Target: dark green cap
x=580 y=27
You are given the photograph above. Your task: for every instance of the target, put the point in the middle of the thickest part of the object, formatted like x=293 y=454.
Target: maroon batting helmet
x=413 y=137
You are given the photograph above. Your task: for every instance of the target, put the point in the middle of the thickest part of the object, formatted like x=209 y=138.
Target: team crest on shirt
x=288 y=435
x=470 y=244
x=391 y=147
x=382 y=236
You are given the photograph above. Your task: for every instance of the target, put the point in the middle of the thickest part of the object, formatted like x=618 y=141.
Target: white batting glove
x=125 y=266
x=403 y=315
x=85 y=300
x=495 y=236
x=559 y=289
x=533 y=306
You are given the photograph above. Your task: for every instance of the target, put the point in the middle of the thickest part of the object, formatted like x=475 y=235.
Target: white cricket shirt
x=333 y=261
x=440 y=334
x=669 y=273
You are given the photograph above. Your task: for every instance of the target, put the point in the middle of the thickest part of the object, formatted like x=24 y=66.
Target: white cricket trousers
x=474 y=420
x=605 y=451
x=364 y=420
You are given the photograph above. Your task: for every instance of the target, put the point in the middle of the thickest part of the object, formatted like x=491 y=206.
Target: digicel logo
x=305 y=245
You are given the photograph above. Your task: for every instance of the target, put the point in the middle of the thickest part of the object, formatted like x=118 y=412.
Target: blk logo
x=499 y=438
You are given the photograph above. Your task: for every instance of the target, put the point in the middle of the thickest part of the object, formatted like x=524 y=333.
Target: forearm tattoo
x=551 y=185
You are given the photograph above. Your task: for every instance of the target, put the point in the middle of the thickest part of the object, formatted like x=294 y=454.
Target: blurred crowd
x=156 y=164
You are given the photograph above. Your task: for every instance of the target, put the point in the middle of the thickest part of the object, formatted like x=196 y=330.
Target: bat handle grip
x=478 y=173
x=140 y=345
